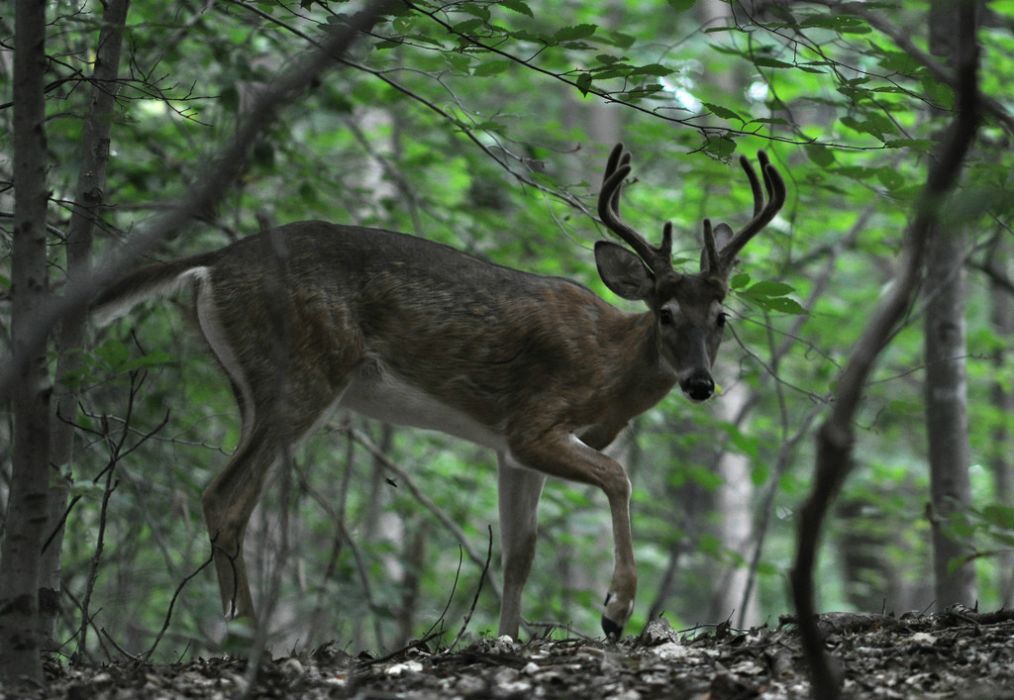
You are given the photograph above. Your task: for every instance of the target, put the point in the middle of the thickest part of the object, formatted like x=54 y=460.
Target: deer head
x=687 y=307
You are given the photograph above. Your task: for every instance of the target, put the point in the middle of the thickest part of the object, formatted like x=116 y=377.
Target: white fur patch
x=105 y=315
x=377 y=392
x=211 y=327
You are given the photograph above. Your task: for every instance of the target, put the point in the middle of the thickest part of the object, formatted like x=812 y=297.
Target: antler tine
x=615 y=201
x=710 y=249
x=763 y=215
x=751 y=175
x=665 y=249
x=617 y=168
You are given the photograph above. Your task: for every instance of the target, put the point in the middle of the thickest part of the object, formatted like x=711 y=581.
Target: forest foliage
x=485 y=125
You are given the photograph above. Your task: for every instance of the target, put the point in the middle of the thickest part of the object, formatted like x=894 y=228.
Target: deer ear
x=723 y=234
x=622 y=271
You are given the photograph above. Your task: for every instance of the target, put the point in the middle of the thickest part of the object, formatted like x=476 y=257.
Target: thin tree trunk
x=733 y=502
x=26 y=508
x=91 y=182
x=945 y=388
x=947 y=416
x=1002 y=317
x=414 y=553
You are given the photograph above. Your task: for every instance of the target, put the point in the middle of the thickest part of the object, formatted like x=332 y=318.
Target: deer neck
x=646 y=377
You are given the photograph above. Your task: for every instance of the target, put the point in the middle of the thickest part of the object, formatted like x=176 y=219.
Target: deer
x=310 y=316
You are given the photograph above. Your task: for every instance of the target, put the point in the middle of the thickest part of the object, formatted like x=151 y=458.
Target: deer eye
x=665 y=317
x=722 y=316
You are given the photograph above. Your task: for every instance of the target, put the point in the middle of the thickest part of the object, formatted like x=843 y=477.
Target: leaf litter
x=961 y=655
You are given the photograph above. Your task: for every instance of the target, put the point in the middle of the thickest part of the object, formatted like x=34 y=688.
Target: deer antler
x=657 y=258
x=720 y=262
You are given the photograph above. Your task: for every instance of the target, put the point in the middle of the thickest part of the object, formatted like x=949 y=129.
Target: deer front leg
x=519 y=490
x=562 y=454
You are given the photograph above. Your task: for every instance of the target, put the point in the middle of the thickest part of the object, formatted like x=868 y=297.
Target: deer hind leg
x=228 y=502
x=279 y=404
x=231 y=497
x=519 y=491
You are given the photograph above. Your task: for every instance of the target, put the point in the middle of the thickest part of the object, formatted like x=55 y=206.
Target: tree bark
x=26 y=508
x=88 y=201
x=947 y=416
x=734 y=501
x=1002 y=399
x=945 y=386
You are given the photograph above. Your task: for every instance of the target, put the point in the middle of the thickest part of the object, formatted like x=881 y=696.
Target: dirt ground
x=951 y=655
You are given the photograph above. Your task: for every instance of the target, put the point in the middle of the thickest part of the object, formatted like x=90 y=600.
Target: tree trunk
x=88 y=200
x=947 y=415
x=945 y=389
x=26 y=507
x=1002 y=398
x=733 y=501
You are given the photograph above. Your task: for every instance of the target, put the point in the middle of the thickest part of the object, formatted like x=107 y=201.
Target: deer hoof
x=612 y=629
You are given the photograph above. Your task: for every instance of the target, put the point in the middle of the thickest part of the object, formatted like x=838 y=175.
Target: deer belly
x=378 y=393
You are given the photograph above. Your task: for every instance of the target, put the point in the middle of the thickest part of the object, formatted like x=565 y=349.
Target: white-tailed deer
x=311 y=315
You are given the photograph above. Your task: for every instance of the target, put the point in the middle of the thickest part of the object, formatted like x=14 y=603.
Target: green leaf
x=479 y=11
x=721 y=148
x=584 y=82
x=656 y=69
x=620 y=40
x=739 y=280
x=921 y=145
x=890 y=178
x=723 y=112
x=518 y=6
x=999 y=515
x=704 y=477
x=820 y=155
x=578 y=31
x=767 y=288
x=681 y=5
x=490 y=68
x=152 y=359
x=768 y=120
x=113 y=353
x=468 y=26
x=771 y=62
x=459 y=63
x=785 y=305
x=828 y=21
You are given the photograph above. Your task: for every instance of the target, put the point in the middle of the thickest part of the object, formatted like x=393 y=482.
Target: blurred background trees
x=485 y=125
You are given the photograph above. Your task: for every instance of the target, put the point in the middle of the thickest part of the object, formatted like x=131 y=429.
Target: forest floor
x=951 y=655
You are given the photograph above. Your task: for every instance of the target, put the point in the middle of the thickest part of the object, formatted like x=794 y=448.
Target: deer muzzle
x=699 y=386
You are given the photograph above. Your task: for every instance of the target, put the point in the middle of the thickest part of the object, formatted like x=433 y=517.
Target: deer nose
x=699 y=386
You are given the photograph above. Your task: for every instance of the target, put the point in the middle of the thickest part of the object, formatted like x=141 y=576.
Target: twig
x=357 y=555
x=478 y=589
x=450 y=596
x=427 y=503
x=172 y=602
